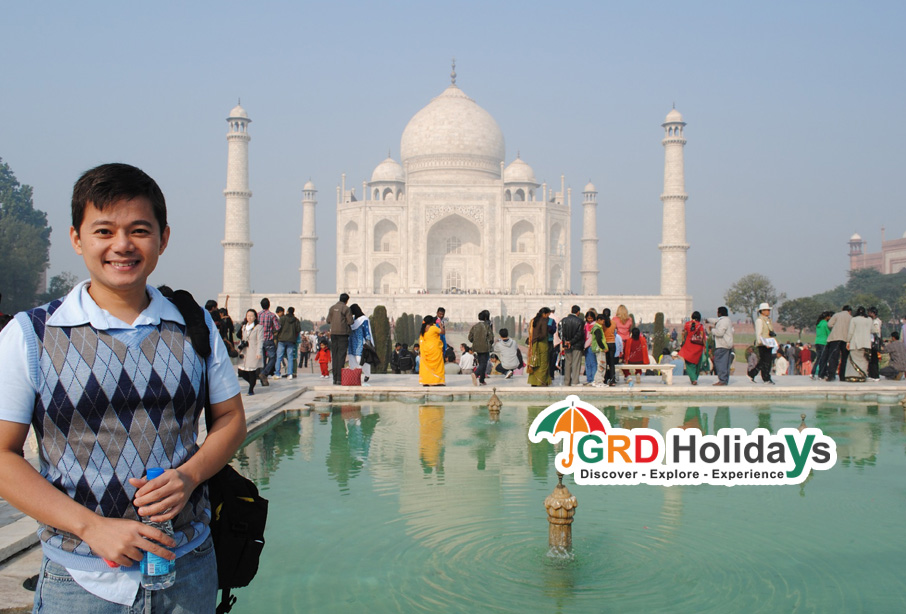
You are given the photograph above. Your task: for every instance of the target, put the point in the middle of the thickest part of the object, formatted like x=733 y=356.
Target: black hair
x=696 y=316
x=722 y=311
x=107 y=184
x=426 y=322
x=356 y=310
x=606 y=314
x=575 y=309
x=484 y=315
x=441 y=310
x=291 y=310
x=210 y=304
x=635 y=333
x=860 y=311
x=895 y=334
x=265 y=303
x=504 y=333
x=254 y=312
x=344 y=298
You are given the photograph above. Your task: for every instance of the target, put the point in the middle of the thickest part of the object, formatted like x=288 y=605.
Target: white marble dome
x=519 y=172
x=590 y=187
x=238 y=112
x=388 y=170
x=309 y=186
x=673 y=116
x=452 y=126
x=855 y=237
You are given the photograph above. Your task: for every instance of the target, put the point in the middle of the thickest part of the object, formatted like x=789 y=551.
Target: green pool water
x=393 y=507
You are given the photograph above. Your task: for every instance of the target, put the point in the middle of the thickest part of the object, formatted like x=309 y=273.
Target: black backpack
x=406 y=361
x=238 y=513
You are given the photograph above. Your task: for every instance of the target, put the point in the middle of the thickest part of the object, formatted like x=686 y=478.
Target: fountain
x=494 y=405
x=561 y=507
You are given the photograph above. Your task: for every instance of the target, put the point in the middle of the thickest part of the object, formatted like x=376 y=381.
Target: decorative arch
x=519 y=196
x=388 y=194
x=386 y=278
x=557 y=283
x=557 y=240
x=522 y=278
x=351 y=242
x=386 y=237
x=454 y=244
x=351 y=276
x=522 y=237
x=377 y=194
x=508 y=196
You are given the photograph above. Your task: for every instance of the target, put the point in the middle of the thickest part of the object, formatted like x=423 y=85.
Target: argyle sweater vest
x=106 y=410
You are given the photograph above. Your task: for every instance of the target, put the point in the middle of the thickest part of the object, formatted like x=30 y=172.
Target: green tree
x=59 y=286
x=400 y=330
x=750 y=291
x=380 y=328
x=659 y=337
x=800 y=313
x=24 y=243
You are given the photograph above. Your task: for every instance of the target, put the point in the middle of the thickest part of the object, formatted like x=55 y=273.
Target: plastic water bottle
x=157 y=572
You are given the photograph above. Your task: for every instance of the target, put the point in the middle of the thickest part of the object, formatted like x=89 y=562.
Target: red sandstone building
x=891 y=258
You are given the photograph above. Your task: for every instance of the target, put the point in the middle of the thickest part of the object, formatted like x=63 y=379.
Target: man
x=340 y=319
x=553 y=344
x=395 y=359
x=837 y=353
x=897 y=351
x=764 y=343
x=287 y=334
x=572 y=337
x=874 y=352
x=269 y=327
x=507 y=354
x=134 y=398
x=440 y=321
x=722 y=331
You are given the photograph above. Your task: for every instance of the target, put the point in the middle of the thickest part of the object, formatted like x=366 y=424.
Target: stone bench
x=666 y=371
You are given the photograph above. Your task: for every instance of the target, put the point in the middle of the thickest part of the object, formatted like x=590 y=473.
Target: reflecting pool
x=394 y=507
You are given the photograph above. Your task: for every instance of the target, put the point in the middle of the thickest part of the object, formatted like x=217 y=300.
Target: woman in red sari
x=635 y=352
x=694 y=338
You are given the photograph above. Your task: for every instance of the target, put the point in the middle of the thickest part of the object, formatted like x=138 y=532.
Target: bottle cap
x=154 y=472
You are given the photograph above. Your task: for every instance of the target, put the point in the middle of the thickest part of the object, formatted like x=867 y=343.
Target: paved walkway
x=19 y=559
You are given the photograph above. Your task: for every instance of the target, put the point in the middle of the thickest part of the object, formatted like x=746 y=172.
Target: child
x=323 y=359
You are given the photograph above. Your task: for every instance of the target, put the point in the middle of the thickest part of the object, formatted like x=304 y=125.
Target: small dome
x=309 y=186
x=388 y=170
x=673 y=116
x=855 y=237
x=238 y=112
x=519 y=172
x=590 y=187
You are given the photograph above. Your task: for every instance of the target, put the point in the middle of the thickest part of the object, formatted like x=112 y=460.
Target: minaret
x=589 y=270
x=307 y=267
x=236 y=244
x=673 y=242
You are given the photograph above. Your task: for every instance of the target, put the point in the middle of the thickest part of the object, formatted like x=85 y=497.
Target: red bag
x=698 y=335
x=351 y=377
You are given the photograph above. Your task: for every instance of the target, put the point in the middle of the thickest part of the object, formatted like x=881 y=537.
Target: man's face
x=120 y=245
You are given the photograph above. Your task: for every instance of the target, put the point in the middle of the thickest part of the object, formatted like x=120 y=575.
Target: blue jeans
x=287 y=349
x=591 y=365
x=270 y=357
x=194 y=592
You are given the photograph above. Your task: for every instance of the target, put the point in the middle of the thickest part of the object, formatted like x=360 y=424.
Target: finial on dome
x=388 y=152
x=517 y=154
x=453 y=73
x=674 y=104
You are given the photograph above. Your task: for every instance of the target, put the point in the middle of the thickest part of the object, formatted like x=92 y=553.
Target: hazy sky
x=795 y=135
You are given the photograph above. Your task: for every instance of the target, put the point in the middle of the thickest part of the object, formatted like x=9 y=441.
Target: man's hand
x=125 y=542
x=163 y=497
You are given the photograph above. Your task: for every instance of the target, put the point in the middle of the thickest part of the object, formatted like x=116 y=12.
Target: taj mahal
x=452 y=224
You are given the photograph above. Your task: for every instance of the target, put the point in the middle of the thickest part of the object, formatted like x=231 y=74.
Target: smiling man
x=109 y=380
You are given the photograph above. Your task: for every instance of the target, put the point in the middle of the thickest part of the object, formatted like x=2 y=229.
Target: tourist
x=764 y=343
x=623 y=324
x=251 y=356
x=792 y=357
x=507 y=354
x=679 y=365
x=340 y=319
x=269 y=325
x=406 y=359
x=875 y=350
x=610 y=334
x=591 y=363
x=722 y=332
x=822 y=330
x=431 y=353
x=395 y=359
x=572 y=339
x=441 y=322
x=836 y=343
x=805 y=359
x=90 y=497
x=538 y=366
x=304 y=349
x=287 y=335
x=418 y=357
x=781 y=365
x=481 y=336
x=467 y=361
x=635 y=352
x=322 y=357
x=693 y=347
x=360 y=335
x=858 y=345
x=896 y=350
x=553 y=344
x=600 y=346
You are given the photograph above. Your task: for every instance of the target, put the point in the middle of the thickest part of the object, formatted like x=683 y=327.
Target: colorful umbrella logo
x=568 y=419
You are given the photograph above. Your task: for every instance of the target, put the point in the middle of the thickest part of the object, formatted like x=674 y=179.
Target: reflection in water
x=475 y=539
x=431 y=438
